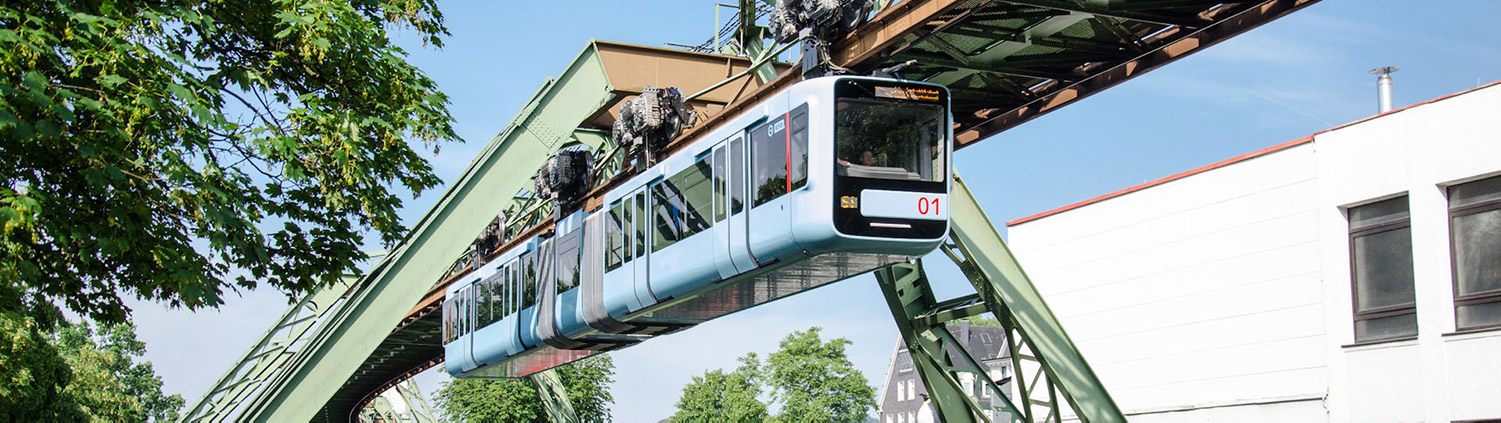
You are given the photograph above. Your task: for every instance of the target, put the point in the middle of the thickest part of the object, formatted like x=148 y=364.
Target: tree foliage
x=77 y=374
x=807 y=378
x=586 y=381
x=814 y=380
x=156 y=147
x=718 y=396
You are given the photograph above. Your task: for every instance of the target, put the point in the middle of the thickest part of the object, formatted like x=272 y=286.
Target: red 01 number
x=925 y=205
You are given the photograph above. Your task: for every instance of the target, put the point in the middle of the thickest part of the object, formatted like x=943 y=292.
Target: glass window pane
x=666 y=206
x=769 y=160
x=497 y=298
x=889 y=139
x=483 y=303
x=737 y=175
x=798 y=155
x=614 y=241
x=1477 y=252
x=528 y=282
x=640 y=224
x=719 y=185
x=1475 y=192
x=697 y=192
x=1378 y=212
x=1386 y=327
x=1383 y=269
x=1478 y=315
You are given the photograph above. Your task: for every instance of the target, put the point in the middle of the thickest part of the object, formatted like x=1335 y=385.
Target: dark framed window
x=1381 y=271
x=1475 y=236
x=779 y=155
x=614 y=239
x=640 y=224
x=737 y=175
x=528 y=280
x=682 y=204
x=720 y=208
x=482 y=303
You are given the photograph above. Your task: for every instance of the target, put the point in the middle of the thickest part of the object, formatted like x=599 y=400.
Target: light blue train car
x=827 y=179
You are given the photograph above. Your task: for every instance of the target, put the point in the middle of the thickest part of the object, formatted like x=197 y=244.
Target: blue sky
x=1279 y=82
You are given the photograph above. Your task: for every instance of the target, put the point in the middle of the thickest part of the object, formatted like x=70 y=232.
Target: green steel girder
x=554 y=397
x=393 y=287
x=1034 y=336
x=1002 y=284
x=267 y=357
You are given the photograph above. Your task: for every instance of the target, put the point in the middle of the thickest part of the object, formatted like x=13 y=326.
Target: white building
x=1226 y=292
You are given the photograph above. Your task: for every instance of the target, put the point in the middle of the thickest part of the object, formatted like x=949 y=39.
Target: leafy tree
x=32 y=374
x=814 y=380
x=156 y=147
x=76 y=374
x=808 y=379
x=724 y=397
x=586 y=381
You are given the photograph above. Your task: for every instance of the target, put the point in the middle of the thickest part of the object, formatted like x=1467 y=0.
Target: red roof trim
x=1170 y=178
x=1234 y=160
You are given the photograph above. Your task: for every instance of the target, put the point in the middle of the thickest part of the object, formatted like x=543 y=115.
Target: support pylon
x=1049 y=370
x=554 y=397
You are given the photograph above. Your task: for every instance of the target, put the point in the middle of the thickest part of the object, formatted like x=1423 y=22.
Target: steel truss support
x=554 y=397
x=268 y=358
x=1048 y=367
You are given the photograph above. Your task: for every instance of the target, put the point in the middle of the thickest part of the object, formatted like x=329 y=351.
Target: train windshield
x=889 y=139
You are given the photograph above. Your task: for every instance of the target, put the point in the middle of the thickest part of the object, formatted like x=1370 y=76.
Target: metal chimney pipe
x=1384 y=87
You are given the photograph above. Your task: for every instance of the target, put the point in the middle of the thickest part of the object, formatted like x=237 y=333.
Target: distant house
x=901 y=394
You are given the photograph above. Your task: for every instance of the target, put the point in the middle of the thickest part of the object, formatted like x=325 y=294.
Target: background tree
x=586 y=381
x=156 y=147
x=718 y=396
x=814 y=380
x=807 y=378
x=88 y=376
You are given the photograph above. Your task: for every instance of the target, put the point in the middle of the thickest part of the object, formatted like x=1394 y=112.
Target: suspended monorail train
x=827 y=179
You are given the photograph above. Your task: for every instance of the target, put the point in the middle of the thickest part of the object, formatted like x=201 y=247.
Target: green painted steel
x=929 y=343
x=1010 y=295
x=393 y=287
x=267 y=358
x=554 y=397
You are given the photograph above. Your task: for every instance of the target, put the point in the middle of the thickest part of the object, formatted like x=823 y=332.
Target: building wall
x=1167 y=293
x=1420 y=152
x=1225 y=294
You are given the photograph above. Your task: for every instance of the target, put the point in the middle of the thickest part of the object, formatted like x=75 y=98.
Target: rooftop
x=1234 y=160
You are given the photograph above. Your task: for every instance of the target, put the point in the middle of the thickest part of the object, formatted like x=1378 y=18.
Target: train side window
x=768 y=160
x=682 y=204
x=737 y=175
x=497 y=299
x=510 y=287
x=640 y=224
x=779 y=156
x=629 y=239
x=446 y=321
x=528 y=282
x=797 y=163
x=666 y=210
x=719 y=184
x=567 y=268
x=482 y=303
x=614 y=239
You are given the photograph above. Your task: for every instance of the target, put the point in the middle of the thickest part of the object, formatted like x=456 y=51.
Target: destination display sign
x=908 y=93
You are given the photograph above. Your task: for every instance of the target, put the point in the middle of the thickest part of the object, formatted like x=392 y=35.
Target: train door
x=639 y=234
x=467 y=324
x=720 y=229
x=737 y=248
x=770 y=231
